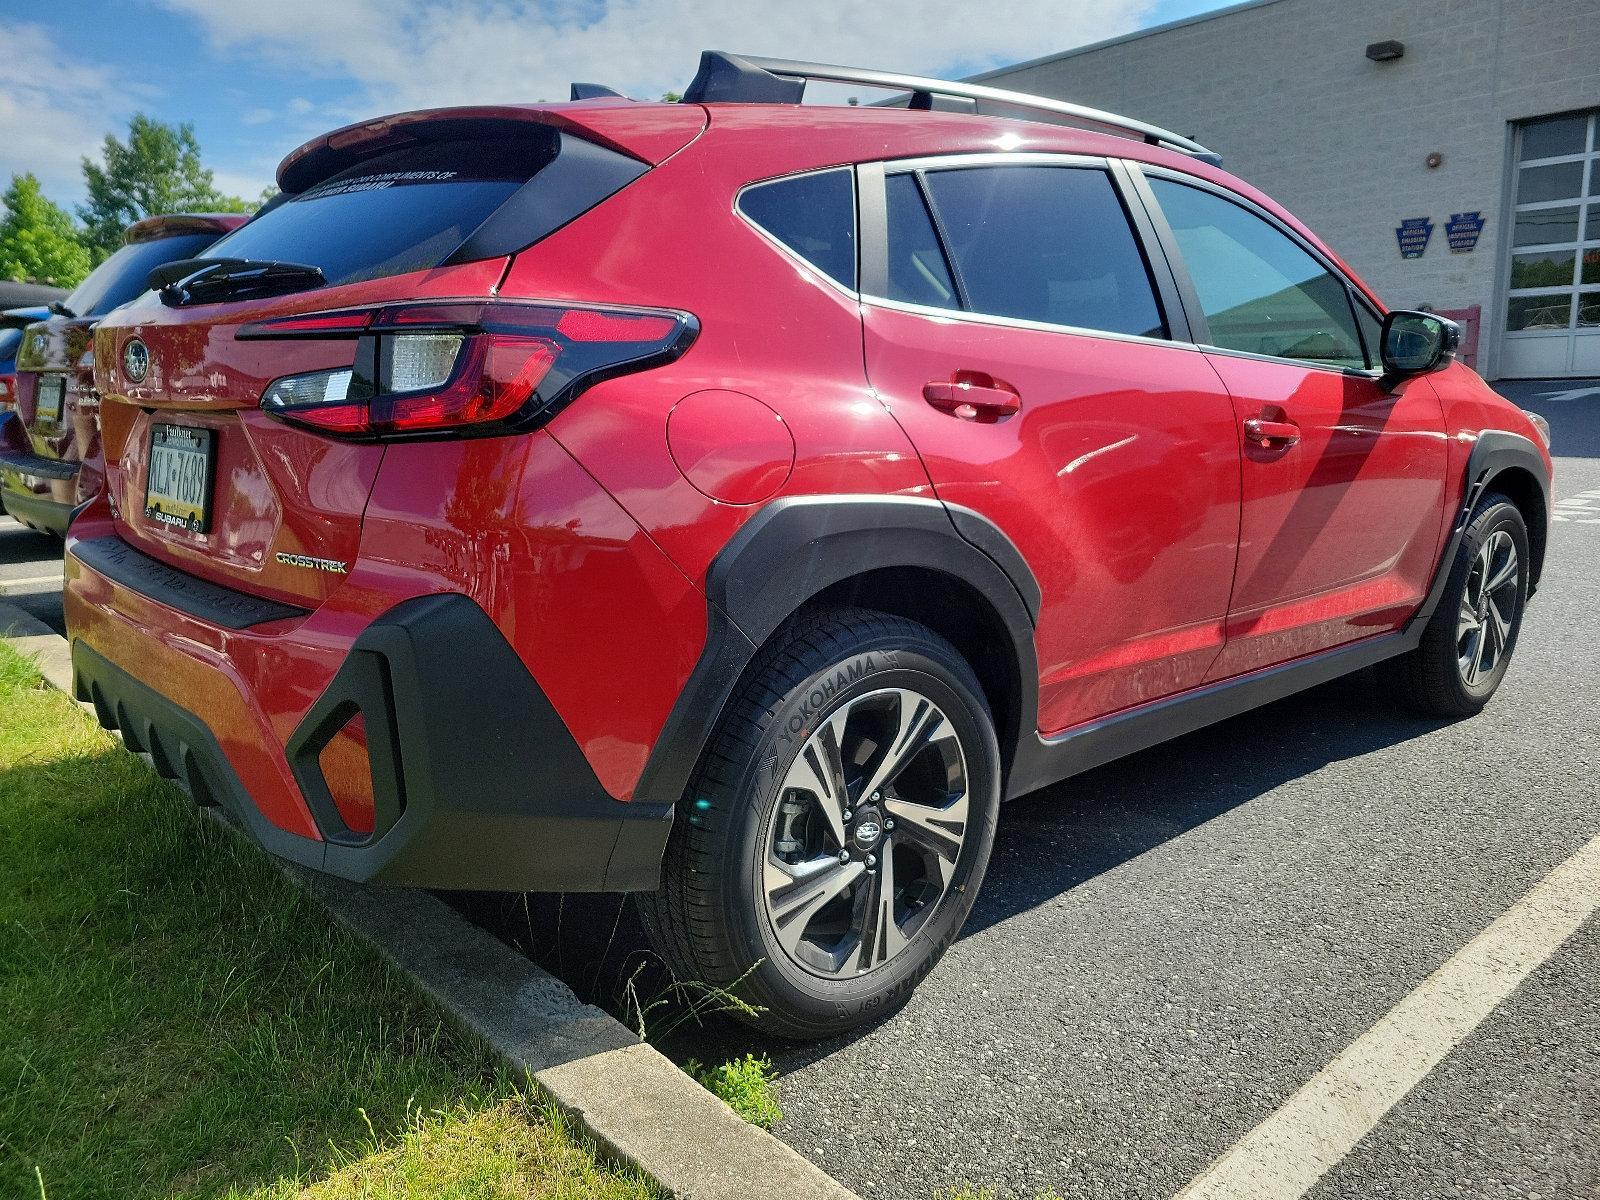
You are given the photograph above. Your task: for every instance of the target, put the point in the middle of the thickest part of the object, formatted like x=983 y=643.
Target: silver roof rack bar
x=738 y=78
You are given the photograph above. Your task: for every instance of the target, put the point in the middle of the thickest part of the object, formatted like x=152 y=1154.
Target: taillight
x=468 y=367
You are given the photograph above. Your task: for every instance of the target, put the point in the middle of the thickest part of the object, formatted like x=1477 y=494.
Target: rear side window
x=122 y=276
x=1049 y=244
x=918 y=272
x=10 y=339
x=814 y=215
x=1260 y=292
x=411 y=209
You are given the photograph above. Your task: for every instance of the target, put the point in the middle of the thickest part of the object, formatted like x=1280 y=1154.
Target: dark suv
x=50 y=459
x=733 y=501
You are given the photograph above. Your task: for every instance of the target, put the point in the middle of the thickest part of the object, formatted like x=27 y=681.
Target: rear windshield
x=122 y=276
x=406 y=210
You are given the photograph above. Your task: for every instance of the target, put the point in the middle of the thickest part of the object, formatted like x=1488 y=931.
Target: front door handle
x=973 y=396
x=1277 y=434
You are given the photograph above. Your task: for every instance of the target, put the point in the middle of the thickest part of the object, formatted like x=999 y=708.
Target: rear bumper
x=477 y=783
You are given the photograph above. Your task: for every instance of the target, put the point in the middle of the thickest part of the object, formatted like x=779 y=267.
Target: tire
x=1451 y=672
x=754 y=850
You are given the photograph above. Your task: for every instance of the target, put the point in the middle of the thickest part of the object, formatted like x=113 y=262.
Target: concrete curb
x=623 y=1093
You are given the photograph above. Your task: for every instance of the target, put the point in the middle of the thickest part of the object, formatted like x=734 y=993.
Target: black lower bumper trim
x=200 y=598
x=479 y=785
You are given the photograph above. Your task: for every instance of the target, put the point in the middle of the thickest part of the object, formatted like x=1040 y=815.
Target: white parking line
x=1286 y=1154
x=1582 y=509
x=33 y=581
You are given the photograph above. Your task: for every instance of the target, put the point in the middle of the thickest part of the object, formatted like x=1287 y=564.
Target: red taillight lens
x=464 y=366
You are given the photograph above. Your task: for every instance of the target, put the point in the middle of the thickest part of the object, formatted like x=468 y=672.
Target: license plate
x=178 y=486
x=48 y=399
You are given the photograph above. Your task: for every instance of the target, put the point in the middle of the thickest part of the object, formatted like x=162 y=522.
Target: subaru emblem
x=135 y=360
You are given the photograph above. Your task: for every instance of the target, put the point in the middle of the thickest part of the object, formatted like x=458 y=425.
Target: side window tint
x=1048 y=244
x=814 y=215
x=918 y=273
x=1260 y=292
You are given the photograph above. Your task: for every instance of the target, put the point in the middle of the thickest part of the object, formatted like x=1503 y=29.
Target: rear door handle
x=1271 y=433
x=973 y=396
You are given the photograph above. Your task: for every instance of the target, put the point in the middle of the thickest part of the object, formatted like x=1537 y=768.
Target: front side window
x=814 y=215
x=1044 y=243
x=1261 y=293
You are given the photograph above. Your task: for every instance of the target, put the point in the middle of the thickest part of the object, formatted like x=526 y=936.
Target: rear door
x=1039 y=365
x=1344 y=478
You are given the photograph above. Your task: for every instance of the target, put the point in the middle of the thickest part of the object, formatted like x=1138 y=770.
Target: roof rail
x=743 y=79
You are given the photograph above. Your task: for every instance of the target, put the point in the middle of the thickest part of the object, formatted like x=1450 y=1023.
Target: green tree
x=38 y=243
x=157 y=170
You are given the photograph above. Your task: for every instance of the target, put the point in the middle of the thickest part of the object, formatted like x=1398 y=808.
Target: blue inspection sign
x=1413 y=236
x=1462 y=231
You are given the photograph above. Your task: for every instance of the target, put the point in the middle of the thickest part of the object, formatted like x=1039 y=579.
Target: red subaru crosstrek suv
x=732 y=502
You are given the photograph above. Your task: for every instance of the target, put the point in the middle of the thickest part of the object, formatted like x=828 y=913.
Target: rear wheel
x=1468 y=643
x=836 y=834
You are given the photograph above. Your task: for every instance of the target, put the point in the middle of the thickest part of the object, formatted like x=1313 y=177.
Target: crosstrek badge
x=331 y=565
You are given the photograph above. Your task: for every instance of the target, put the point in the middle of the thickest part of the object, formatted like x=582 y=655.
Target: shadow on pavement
x=1047 y=844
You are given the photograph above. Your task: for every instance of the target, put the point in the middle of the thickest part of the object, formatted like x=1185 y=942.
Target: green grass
x=747 y=1085
x=179 y=1021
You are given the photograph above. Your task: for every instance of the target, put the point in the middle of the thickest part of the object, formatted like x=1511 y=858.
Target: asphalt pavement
x=1167 y=949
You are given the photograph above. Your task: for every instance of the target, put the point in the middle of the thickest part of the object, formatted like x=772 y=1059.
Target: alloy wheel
x=1488 y=608
x=862 y=842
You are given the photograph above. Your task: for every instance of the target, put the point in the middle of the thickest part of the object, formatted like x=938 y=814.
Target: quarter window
x=1260 y=292
x=1049 y=244
x=814 y=215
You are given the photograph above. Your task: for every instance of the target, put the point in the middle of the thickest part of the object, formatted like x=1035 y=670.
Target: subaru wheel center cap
x=868 y=831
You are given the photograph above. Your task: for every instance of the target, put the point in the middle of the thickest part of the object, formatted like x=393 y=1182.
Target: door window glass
x=1554 y=136
x=1260 y=292
x=918 y=273
x=1542 y=226
x=1049 y=244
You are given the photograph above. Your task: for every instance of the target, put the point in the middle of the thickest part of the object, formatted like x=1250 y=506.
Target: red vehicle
x=732 y=502
x=50 y=460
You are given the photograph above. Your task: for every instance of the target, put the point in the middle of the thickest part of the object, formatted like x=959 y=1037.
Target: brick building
x=1393 y=128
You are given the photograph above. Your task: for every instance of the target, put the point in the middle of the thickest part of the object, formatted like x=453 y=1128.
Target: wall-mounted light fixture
x=1386 y=51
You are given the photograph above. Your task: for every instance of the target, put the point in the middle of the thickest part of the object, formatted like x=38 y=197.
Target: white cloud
x=422 y=53
x=55 y=108
x=257 y=116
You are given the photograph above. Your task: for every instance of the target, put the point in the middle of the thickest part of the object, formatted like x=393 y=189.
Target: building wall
x=1283 y=91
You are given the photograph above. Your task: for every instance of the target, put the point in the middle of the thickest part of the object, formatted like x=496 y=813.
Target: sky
x=259 y=77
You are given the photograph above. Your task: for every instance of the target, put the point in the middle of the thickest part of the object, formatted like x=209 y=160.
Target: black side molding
x=199 y=598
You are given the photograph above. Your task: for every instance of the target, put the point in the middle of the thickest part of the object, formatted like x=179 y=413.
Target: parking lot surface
x=1167 y=949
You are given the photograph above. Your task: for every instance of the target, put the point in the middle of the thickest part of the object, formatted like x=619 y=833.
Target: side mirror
x=1415 y=343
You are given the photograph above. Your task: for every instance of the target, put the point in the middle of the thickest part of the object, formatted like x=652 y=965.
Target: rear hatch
x=372 y=219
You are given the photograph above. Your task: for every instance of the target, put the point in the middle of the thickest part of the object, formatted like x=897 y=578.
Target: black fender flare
x=1495 y=452
x=797 y=547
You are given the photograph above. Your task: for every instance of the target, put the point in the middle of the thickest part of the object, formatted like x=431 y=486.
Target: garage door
x=1552 y=316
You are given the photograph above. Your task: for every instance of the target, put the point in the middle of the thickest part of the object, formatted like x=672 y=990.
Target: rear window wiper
x=60 y=309
x=205 y=280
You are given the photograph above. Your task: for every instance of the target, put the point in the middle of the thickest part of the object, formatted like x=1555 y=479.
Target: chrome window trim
x=978 y=318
